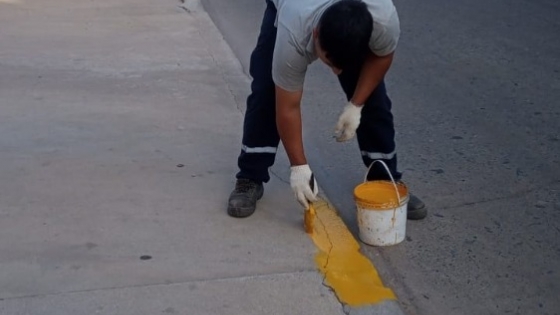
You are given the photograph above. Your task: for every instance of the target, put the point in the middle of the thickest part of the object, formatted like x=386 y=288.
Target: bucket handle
x=390 y=175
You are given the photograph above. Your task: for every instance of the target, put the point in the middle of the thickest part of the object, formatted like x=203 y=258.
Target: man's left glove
x=303 y=184
x=348 y=122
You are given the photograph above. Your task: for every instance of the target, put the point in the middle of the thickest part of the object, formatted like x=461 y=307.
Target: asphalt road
x=475 y=89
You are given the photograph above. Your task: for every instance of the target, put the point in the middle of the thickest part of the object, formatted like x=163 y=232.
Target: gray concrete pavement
x=119 y=129
x=475 y=89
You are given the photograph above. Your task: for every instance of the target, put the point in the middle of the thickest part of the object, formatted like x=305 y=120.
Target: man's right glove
x=303 y=184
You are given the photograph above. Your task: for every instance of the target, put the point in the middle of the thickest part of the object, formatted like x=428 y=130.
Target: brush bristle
x=308 y=218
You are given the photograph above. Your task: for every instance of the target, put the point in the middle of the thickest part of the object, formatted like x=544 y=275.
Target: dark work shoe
x=417 y=210
x=243 y=199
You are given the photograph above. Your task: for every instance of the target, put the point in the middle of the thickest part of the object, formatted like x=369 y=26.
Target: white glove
x=303 y=184
x=348 y=122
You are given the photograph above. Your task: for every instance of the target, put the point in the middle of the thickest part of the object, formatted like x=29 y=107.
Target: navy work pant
x=260 y=136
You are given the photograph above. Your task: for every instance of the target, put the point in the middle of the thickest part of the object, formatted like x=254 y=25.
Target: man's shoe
x=243 y=199
x=417 y=210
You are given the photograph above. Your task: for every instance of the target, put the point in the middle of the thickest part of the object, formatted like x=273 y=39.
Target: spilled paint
x=347 y=272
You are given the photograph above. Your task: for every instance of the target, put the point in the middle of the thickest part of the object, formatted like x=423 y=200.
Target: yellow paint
x=350 y=274
x=380 y=195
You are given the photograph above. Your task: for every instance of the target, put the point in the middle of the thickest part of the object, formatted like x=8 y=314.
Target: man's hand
x=348 y=122
x=303 y=184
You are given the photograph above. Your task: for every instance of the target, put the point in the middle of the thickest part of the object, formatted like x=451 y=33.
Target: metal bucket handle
x=390 y=175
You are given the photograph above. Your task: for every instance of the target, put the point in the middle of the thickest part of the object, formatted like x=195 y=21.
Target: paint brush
x=309 y=213
x=308 y=218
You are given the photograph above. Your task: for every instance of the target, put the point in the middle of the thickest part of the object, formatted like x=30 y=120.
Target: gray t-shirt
x=294 y=49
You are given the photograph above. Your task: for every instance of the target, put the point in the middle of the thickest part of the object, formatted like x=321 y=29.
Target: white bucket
x=382 y=210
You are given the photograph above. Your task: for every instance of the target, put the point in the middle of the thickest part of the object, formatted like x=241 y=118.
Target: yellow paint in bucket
x=382 y=209
x=379 y=195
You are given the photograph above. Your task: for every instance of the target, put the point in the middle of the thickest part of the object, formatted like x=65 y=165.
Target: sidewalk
x=120 y=124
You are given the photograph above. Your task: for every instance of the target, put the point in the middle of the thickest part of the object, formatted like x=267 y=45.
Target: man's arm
x=372 y=73
x=288 y=121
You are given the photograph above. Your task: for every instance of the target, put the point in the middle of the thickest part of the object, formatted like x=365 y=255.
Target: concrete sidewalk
x=120 y=124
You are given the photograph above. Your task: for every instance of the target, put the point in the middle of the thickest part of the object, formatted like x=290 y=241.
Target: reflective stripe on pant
x=260 y=135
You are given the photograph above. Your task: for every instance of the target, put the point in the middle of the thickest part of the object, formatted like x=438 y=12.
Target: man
x=357 y=40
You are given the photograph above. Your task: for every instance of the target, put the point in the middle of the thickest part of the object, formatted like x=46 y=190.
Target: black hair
x=344 y=32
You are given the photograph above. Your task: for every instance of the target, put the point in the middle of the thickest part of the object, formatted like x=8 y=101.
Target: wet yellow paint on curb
x=350 y=274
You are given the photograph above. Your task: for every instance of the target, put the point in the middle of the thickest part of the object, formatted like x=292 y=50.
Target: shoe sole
x=240 y=212
x=417 y=214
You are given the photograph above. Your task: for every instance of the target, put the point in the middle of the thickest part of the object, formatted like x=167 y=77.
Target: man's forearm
x=288 y=122
x=372 y=73
x=289 y=128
